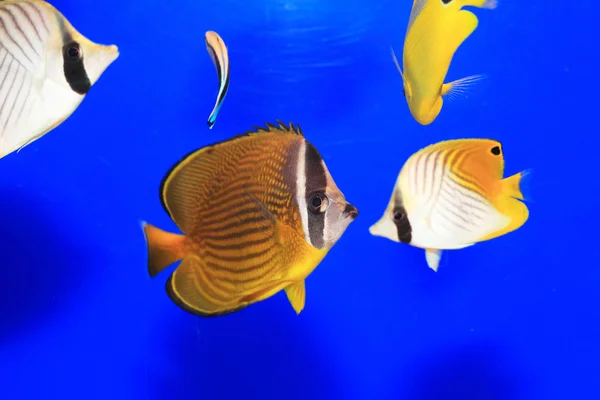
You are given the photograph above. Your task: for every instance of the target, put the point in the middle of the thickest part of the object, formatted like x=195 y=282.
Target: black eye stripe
x=74 y=68
x=403 y=226
x=316 y=182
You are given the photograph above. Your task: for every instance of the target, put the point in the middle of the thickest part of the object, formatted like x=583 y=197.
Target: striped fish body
x=451 y=195
x=258 y=213
x=46 y=69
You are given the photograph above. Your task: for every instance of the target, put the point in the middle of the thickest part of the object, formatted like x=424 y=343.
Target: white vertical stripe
x=301 y=189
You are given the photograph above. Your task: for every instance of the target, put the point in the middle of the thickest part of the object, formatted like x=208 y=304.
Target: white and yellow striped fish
x=46 y=69
x=451 y=195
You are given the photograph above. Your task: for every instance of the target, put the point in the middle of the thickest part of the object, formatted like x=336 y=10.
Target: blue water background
x=514 y=318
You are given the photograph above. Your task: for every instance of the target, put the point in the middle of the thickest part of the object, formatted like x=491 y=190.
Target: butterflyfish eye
x=496 y=150
x=73 y=52
x=398 y=215
x=318 y=203
x=446 y=1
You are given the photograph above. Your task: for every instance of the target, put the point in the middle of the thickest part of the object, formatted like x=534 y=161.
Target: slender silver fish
x=46 y=69
x=220 y=58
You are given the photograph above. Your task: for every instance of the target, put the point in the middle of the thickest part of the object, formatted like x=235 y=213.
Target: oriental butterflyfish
x=258 y=212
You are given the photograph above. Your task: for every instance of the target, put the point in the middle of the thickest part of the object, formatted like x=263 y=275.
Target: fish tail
x=519 y=185
x=489 y=4
x=164 y=248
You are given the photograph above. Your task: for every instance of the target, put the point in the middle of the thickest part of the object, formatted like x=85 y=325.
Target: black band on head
x=74 y=68
x=316 y=181
x=400 y=218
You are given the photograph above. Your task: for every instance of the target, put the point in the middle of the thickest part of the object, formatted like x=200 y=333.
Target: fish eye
x=496 y=150
x=399 y=215
x=404 y=92
x=318 y=203
x=73 y=51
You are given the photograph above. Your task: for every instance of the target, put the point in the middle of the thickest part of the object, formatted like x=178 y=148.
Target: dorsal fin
x=279 y=127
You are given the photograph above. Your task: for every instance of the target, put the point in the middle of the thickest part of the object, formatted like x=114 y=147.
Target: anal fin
x=296 y=294
x=433 y=256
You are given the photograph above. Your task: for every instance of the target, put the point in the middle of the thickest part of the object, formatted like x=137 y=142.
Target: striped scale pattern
x=24 y=28
x=234 y=201
x=453 y=187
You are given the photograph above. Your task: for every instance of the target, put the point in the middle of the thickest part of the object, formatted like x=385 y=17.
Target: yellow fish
x=258 y=213
x=220 y=57
x=451 y=195
x=436 y=29
x=46 y=69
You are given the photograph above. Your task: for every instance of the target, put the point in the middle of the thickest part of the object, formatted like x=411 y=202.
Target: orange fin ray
x=164 y=248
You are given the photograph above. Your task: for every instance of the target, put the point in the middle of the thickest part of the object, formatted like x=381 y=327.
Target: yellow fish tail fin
x=462 y=88
x=518 y=186
x=296 y=294
x=164 y=248
x=514 y=190
x=489 y=4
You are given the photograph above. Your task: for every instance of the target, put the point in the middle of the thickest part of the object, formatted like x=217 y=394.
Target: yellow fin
x=517 y=185
x=513 y=190
x=404 y=81
x=296 y=294
x=192 y=289
x=189 y=288
x=164 y=248
x=433 y=257
x=461 y=88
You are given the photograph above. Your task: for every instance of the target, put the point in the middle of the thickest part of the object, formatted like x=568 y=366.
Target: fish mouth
x=350 y=211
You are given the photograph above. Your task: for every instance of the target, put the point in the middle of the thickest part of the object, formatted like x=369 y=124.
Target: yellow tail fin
x=164 y=248
x=517 y=186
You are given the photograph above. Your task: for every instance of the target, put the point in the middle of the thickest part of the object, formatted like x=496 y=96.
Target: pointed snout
x=111 y=53
x=373 y=229
x=350 y=211
x=382 y=228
